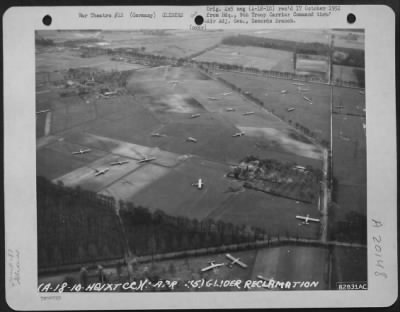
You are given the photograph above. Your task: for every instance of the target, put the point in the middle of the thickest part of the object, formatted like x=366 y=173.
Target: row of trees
x=78 y=226
x=156 y=232
x=75 y=226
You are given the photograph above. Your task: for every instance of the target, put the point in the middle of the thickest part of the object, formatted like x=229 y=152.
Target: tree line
x=75 y=226
x=150 y=233
x=79 y=226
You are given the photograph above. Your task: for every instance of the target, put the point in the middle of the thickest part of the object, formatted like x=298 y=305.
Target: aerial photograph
x=221 y=160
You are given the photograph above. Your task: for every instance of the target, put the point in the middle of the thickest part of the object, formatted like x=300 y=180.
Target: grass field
x=341 y=39
x=119 y=128
x=314 y=116
x=162 y=99
x=300 y=35
x=261 y=58
x=349 y=164
x=293 y=264
x=345 y=73
x=348 y=101
x=171 y=43
x=64 y=58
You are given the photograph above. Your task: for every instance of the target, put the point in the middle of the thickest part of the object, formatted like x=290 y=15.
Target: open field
x=300 y=35
x=347 y=73
x=348 y=101
x=57 y=59
x=342 y=38
x=120 y=127
x=348 y=39
x=349 y=164
x=349 y=167
x=196 y=126
x=269 y=90
x=293 y=264
x=274 y=214
x=215 y=126
x=170 y=43
x=261 y=58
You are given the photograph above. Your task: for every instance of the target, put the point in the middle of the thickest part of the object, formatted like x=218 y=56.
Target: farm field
x=349 y=165
x=300 y=35
x=269 y=90
x=194 y=141
x=342 y=39
x=120 y=127
x=347 y=101
x=347 y=73
x=261 y=58
x=170 y=43
x=65 y=58
x=200 y=124
x=293 y=263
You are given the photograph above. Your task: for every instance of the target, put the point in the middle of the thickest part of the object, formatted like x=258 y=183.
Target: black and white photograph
x=200 y=157
x=225 y=160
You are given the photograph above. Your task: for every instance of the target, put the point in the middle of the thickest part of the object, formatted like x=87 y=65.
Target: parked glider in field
x=99 y=172
x=199 y=184
x=212 y=266
x=283 y=91
x=109 y=93
x=230 y=109
x=307 y=99
x=306 y=219
x=226 y=93
x=43 y=111
x=290 y=109
x=248 y=113
x=190 y=139
x=238 y=134
x=82 y=151
x=195 y=116
x=146 y=159
x=212 y=98
x=120 y=162
x=302 y=89
x=361 y=92
x=158 y=135
x=298 y=84
x=235 y=261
